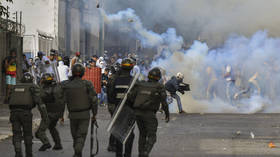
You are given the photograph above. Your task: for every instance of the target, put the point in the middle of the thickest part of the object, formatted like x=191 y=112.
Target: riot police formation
x=52 y=97
x=117 y=87
x=145 y=98
x=176 y=84
x=81 y=98
x=24 y=97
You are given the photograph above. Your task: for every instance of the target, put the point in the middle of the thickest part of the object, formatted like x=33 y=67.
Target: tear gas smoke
x=239 y=77
x=212 y=21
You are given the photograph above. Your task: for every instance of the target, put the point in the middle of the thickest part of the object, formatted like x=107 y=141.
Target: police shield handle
x=116 y=114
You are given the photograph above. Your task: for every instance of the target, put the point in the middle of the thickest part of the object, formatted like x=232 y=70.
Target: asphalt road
x=192 y=135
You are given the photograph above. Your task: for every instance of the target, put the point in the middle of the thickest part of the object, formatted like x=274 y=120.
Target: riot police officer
x=80 y=98
x=52 y=97
x=146 y=97
x=24 y=97
x=117 y=86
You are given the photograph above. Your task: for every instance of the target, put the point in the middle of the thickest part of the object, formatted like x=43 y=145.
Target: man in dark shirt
x=104 y=83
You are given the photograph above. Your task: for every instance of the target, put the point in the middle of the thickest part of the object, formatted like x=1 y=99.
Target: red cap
x=78 y=53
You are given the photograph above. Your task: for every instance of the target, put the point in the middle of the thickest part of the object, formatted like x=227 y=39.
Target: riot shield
x=33 y=73
x=124 y=124
x=123 y=119
x=56 y=74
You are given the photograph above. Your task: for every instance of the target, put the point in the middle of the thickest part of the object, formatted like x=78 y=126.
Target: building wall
x=39 y=17
x=83 y=26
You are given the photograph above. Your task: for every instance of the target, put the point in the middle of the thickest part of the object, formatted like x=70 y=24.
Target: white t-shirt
x=63 y=71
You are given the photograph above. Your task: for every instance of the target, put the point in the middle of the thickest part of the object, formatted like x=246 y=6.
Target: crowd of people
x=60 y=66
x=52 y=82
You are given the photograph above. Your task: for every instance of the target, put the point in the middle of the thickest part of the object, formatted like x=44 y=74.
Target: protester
x=104 y=83
x=25 y=64
x=63 y=71
x=10 y=72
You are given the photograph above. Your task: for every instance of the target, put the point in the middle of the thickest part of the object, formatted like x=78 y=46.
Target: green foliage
x=3 y=9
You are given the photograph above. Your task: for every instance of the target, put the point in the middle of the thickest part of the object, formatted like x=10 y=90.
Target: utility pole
x=68 y=27
x=82 y=29
x=7 y=18
x=101 y=30
x=20 y=22
x=16 y=22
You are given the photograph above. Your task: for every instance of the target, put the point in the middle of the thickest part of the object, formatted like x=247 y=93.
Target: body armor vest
x=77 y=97
x=148 y=96
x=50 y=97
x=122 y=83
x=21 y=96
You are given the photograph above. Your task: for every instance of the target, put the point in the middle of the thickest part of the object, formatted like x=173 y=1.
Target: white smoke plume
x=213 y=21
x=244 y=67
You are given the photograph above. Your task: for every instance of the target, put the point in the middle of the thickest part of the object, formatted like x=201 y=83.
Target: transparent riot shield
x=34 y=75
x=124 y=124
x=55 y=72
x=123 y=119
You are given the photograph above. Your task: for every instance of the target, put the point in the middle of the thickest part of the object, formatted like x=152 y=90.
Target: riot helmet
x=27 y=78
x=52 y=53
x=134 y=60
x=47 y=78
x=78 y=70
x=127 y=64
x=154 y=74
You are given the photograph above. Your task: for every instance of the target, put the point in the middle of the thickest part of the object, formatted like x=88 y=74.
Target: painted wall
x=37 y=16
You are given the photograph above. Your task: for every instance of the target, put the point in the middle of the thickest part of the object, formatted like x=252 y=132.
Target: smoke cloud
x=254 y=72
x=211 y=21
x=240 y=76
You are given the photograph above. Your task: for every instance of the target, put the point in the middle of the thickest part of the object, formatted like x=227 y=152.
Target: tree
x=3 y=10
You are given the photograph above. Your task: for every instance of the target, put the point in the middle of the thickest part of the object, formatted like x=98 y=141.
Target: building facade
x=78 y=27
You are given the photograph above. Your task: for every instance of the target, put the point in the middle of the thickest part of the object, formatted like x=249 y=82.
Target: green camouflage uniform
x=23 y=98
x=53 y=98
x=80 y=98
x=146 y=97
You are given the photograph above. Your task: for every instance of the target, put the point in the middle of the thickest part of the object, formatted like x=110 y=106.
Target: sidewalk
x=5 y=125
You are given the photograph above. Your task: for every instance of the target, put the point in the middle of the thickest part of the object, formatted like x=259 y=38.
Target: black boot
x=119 y=155
x=77 y=155
x=57 y=147
x=44 y=147
x=127 y=155
x=111 y=149
x=28 y=151
x=18 y=154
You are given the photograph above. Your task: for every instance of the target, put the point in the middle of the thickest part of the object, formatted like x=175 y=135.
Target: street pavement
x=187 y=135
x=5 y=125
